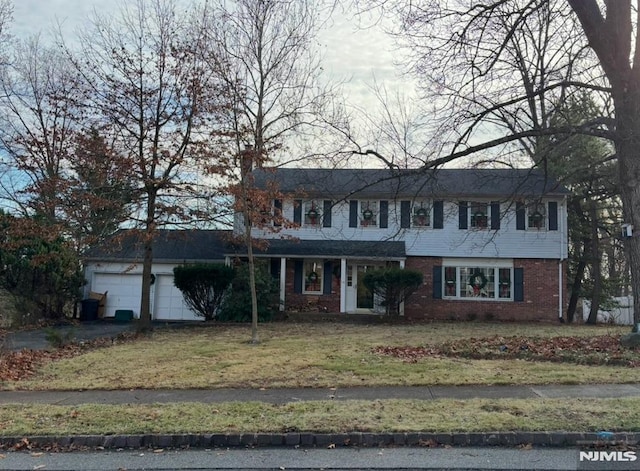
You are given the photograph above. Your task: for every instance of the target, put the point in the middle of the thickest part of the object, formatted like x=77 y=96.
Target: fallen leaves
x=597 y=350
x=16 y=366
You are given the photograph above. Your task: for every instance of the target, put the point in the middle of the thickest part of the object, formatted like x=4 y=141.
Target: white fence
x=621 y=315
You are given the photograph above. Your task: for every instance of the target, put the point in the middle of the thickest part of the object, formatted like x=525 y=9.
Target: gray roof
x=168 y=246
x=377 y=183
x=334 y=248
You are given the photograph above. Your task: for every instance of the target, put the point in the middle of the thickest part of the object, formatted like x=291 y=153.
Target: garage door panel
x=170 y=303
x=123 y=291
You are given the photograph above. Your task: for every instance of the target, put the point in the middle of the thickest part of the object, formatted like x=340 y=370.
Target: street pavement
x=299 y=459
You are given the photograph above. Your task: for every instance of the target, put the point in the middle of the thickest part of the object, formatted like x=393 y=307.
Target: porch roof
x=351 y=249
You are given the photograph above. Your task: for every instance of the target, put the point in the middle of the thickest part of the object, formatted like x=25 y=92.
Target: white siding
x=507 y=242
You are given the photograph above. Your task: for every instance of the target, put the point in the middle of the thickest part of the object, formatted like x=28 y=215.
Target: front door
x=359 y=298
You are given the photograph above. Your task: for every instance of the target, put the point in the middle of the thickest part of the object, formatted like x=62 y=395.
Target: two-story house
x=491 y=243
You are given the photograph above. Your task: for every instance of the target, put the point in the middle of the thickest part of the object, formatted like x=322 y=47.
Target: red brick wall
x=540 y=295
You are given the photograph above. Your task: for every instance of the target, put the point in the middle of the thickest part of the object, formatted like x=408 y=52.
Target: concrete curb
x=323 y=440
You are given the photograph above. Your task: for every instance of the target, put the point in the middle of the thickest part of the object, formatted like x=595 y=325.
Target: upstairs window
x=421 y=216
x=536 y=217
x=313 y=213
x=369 y=213
x=479 y=215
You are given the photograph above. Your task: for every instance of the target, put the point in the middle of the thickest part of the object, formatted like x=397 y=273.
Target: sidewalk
x=281 y=396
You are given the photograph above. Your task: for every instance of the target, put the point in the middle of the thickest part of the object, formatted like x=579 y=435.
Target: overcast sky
x=351 y=53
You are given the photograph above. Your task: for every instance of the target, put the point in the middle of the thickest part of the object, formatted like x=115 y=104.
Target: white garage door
x=123 y=291
x=169 y=305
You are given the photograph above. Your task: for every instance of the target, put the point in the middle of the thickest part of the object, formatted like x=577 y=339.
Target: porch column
x=343 y=285
x=401 y=307
x=283 y=281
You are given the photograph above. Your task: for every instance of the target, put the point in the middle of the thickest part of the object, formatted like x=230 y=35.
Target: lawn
x=325 y=355
x=338 y=355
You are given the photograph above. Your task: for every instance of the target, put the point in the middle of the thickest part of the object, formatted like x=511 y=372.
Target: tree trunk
x=577 y=284
x=596 y=271
x=627 y=145
x=149 y=235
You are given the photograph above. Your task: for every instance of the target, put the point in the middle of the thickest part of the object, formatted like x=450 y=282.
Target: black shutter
x=277 y=212
x=495 y=215
x=438 y=214
x=353 y=213
x=297 y=212
x=384 y=214
x=553 y=216
x=462 y=215
x=326 y=213
x=518 y=284
x=298 y=269
x=405 y=214
x=327 y=278
x=520 y=216
x=437 y=282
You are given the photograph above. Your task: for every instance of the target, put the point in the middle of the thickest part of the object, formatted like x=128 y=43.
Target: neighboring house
x=116 y=268
x=491 y=244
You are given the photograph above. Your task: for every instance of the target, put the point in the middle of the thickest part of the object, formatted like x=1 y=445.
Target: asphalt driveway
x=37 y=339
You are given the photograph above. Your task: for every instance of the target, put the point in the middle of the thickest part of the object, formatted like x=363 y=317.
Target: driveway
x=37 y=339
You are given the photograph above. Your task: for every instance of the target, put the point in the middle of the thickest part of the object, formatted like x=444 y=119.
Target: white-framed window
x=312 y=213
x=368 y=214
x=421 y=214
x=313 y=276
x=479 y=215
x=479 y=282
x=536 y=216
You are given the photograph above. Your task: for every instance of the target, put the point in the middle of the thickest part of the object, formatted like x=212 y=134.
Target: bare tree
x=264 y=53
x=465 y=54
x=154 y=96
x=40 y=107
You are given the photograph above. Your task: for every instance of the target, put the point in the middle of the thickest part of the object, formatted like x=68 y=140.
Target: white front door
x=358 y=297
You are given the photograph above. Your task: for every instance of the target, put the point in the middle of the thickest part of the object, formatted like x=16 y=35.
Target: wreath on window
x=421 y=213
x=312 y=214
x=477 y=281
x=367 y=214
x=313 y=277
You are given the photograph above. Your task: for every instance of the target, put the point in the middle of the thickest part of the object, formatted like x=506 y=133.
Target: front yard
x=339 y=355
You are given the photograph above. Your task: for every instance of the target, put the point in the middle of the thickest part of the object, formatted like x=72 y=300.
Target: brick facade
x=540 y=303
x=541 y=298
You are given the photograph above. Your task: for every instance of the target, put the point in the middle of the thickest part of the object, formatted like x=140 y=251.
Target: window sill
x=478 y=299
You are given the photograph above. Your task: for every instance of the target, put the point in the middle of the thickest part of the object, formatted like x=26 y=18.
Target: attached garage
x=116 y=269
